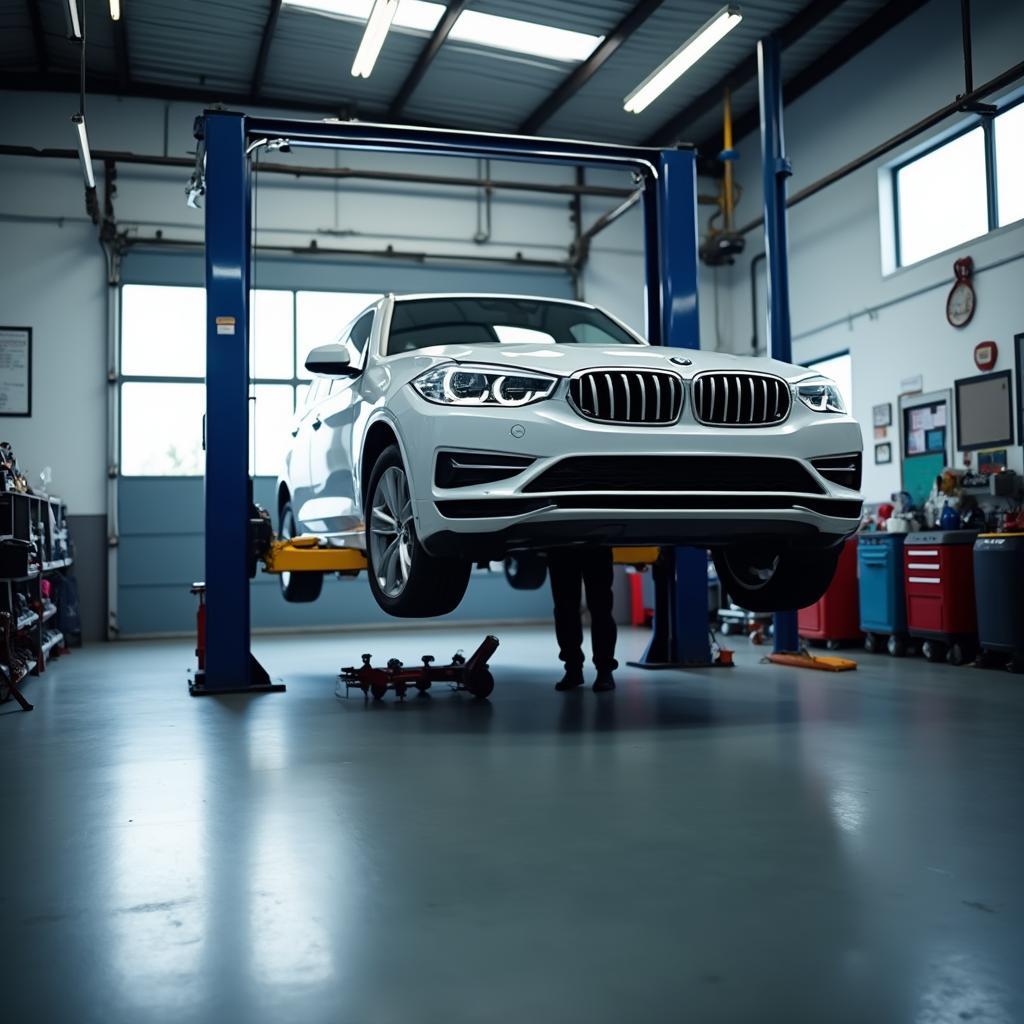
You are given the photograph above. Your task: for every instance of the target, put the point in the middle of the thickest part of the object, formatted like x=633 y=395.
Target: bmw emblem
x=680 y=361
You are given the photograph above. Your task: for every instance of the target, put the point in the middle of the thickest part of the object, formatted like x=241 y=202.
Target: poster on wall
x=15 y=371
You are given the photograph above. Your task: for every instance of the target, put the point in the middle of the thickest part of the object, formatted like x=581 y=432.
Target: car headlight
x=456 y=384
x=821 y=395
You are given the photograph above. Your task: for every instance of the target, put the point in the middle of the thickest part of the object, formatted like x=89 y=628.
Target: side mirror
x=331 y=361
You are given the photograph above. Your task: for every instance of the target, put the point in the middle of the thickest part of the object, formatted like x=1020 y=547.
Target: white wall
x=614 y=276
x=834 y=237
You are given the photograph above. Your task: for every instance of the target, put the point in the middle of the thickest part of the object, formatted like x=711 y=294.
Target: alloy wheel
x=391 y=532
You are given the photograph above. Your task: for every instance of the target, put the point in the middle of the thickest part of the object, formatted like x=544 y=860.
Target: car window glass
x=493 y=320
x=522 y=335
x=360 y=334
x=591 y=334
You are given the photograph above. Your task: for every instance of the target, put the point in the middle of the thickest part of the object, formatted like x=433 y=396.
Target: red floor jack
x=470 y=674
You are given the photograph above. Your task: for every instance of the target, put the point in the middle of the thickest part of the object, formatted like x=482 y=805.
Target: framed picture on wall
x=882 y=415
x=883 y=454
x=15 y=371
x=1019 y=354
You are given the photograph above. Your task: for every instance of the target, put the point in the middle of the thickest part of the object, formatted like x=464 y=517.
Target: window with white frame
x=961 y=188
x=163 y=363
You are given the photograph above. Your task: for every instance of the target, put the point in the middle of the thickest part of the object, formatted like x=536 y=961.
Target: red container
x=939 y=577
x=836 y=616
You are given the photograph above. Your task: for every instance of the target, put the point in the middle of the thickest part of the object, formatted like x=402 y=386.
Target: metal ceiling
x=209 y=50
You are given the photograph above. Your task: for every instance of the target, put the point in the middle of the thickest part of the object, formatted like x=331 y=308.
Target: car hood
x=565 y=360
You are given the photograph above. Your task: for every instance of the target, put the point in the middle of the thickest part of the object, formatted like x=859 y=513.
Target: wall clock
x=961 y=301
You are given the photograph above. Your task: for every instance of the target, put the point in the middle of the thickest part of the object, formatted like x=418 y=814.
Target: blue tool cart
x=883 y=603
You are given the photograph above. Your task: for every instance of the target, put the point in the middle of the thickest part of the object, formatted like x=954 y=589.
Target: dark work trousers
x=572 y=569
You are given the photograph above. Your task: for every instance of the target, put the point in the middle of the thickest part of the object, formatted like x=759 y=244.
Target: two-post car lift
x=227 y=141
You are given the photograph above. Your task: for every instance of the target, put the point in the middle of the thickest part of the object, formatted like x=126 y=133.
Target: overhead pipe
x=960 y=104
x=306 y=171
x=728 y=156
x=389 y=253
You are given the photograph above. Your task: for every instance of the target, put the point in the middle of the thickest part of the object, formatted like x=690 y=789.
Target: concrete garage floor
x=755 y=845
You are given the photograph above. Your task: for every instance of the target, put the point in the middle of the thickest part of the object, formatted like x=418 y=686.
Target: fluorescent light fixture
x=417 y=15
x=523 y=37
x=683 y=59
x=377 y=28
x=74 y=24
x=472 y=27
x=115 y=10
x=84 y=153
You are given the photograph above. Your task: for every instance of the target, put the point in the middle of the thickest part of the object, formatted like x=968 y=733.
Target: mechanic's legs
x=567 y=589
x=598 y=577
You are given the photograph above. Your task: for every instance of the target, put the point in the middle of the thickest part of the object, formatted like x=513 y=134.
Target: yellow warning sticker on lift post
x=225 y=324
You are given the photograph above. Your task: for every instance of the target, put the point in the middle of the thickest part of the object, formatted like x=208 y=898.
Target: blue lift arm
x=670 y=240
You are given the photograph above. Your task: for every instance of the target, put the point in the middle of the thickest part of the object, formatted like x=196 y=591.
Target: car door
x=332 y=504
x=297 y=460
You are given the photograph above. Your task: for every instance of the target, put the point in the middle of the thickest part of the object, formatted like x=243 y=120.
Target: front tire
x=764 y=580
x=407 y=581
x=297 y=587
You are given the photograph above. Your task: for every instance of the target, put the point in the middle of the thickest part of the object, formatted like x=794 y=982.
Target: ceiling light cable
x=78 y=120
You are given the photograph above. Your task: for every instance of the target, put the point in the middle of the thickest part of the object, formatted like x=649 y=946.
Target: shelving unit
x=34 y=546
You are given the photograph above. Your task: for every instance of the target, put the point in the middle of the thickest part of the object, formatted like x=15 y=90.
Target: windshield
x=418 y=323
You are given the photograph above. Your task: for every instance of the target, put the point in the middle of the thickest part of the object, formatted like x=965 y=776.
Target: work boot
x=571 y=680
x=605 y=681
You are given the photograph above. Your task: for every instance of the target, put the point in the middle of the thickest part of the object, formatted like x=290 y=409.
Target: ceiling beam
x=121 y=59
x=260 y=68
x=868 y=32
x=426 y=58
x=801 y=23
x=585 y=71
x=38 y=35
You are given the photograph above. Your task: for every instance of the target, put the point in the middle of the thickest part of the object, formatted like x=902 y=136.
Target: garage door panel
x=156 y=609
x=160 y=505
x=160 y=561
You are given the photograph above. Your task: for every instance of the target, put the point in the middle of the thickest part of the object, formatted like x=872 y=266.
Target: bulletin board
x=926 y=439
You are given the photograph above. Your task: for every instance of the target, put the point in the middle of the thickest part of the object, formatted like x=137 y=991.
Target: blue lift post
x=670 y=239
x=679 y=636
x=775 y=169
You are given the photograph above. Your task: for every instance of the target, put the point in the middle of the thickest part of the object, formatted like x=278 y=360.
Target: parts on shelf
x=11 y=477
x=37 y=601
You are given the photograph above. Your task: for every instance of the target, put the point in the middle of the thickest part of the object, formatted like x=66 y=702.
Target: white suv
x=444 y=430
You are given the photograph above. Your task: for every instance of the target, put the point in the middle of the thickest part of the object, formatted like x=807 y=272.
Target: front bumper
x=485 y=520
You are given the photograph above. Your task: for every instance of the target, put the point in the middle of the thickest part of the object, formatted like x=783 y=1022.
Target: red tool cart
x=939 y=575
x=835 y=617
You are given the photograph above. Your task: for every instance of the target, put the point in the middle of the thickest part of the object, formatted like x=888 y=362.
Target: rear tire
x=762 y=580
x=407 y=581
x=525 y=571
x=297 y=587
